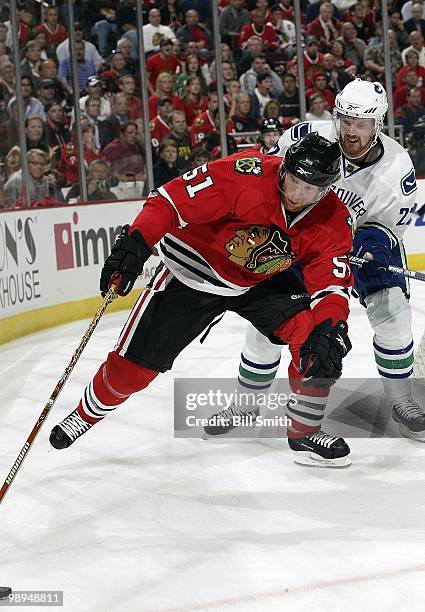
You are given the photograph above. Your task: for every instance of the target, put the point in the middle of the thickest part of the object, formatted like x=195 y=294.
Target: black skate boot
x=231 y=419
x=410 y=418
x=320 y=450
x=68 y=430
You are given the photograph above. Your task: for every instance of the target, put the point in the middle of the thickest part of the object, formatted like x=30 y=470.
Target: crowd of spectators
x=342 y=39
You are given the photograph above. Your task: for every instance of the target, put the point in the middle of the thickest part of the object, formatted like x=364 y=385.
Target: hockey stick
x=109 y=297
x=358 y=261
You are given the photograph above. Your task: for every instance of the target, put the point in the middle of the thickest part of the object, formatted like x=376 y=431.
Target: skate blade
x=240 y=433
x=417 y=436
x=313 y=460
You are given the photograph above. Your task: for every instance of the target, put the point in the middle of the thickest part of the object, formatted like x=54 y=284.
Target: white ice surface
x=130 y=519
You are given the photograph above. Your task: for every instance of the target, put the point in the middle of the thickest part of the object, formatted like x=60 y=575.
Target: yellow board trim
x=416 y=261
x=35 y=320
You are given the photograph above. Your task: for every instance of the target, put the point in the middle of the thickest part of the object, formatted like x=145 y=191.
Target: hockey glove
x=125 y=263
x=322 y=353
x=375 y=274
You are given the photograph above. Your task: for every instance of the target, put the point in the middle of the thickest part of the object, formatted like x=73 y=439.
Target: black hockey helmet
x=314 y=160
x=270 y=125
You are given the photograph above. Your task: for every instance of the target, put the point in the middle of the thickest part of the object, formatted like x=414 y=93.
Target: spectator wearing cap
x=49 y=70
x=91 y=54
x=326 y=28
x=85 y=67
x=54 y=31
x=154 y=31
x=354 y=47
x=46 y=91
x=112 y=76
x=164 y=88
x=57 y=132
x=231 y=21
x=125 y=154
x=95 y=87
x=163 y=61
x=320 y=86
x=259 y=27
x=261 y=95
x=248 y=79
x=312 y=57
x=159 y=126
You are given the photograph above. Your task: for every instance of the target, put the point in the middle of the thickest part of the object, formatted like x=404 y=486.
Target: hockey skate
x=231 y=421
x=68 y=430
x=410 y=418
x=320 y=450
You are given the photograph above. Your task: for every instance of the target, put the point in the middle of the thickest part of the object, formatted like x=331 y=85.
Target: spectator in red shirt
x=312 y=57
x=164 y=88
x=325 y=27
x=204 y=122
x=193 y=100
x=320 y=86
x=401 y=93
x=412 y=63
x=260 y=28
x=125 y=155
x=54 y=31
x=159 y=126
x=163 y=61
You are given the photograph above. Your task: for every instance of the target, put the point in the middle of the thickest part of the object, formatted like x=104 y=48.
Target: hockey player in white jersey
x=378 y=185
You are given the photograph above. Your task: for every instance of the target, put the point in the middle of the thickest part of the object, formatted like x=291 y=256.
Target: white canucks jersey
x=380 y=193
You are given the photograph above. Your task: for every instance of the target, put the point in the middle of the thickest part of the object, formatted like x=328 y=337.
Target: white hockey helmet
x=365 y=100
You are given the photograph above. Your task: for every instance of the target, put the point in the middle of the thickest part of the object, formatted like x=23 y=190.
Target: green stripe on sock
x=254 y=376
x=394 y=364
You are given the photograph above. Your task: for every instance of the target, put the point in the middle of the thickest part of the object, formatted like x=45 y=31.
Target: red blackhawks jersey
x=222 y=229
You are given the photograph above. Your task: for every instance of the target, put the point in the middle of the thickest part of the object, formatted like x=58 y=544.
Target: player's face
x=269 y=139
x=298 y=194
x=356 y=135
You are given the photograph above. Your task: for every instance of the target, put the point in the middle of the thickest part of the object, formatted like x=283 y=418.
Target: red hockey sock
x=307 y=409
x=113 y=383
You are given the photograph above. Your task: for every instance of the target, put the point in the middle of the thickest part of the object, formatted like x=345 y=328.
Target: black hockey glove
x=125 y=263
x=322 y=353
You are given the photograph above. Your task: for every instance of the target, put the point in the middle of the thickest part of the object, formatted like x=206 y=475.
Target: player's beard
x=353 y=147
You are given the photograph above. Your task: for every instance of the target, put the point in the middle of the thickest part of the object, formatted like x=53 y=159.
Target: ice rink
x=130 y=519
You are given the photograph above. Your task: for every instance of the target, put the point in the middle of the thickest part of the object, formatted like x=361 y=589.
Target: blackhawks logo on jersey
x=249 y=165
x=263 y=250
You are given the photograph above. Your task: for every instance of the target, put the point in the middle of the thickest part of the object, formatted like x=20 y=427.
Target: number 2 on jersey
x=192 y=190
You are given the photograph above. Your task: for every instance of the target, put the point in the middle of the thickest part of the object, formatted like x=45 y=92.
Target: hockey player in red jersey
x=225 y=231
